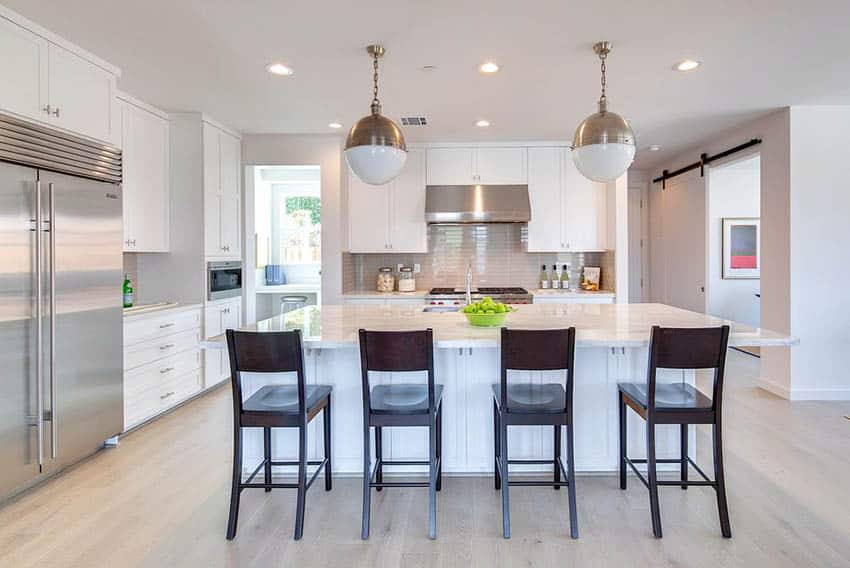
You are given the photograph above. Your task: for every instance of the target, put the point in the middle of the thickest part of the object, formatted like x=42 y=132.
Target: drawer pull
x=165 y=325
x=166 y=395
x=166 y=346
x=166 y=370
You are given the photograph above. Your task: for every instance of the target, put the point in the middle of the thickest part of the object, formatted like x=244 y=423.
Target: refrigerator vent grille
x=32 y=145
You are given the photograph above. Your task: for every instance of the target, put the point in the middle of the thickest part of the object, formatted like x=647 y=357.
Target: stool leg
x=623 y=437
x=683 y=433
x=327 y=439
x=652 y=478
x=571 y=481
x=719 y=478
x=496 y=443
x=267 y=453
x=503 y=462
x=379 y=455
x=432 y=478
x=235 y=488
x=367 y=479
x=302 y=480
x=440 y=448
x=557 y=476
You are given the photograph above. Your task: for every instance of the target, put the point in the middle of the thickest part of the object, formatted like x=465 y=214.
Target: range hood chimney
x=453 y=204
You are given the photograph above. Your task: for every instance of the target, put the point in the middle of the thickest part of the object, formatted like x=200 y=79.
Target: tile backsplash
x=498 y=255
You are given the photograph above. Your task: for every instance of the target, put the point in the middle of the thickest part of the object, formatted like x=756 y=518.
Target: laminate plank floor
x=160 y=499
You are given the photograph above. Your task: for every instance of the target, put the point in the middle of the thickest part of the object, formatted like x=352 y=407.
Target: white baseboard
x=774 y=388
x=804 y=394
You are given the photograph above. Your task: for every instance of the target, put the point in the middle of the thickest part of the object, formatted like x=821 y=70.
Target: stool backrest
x=396 y=351
x=538 y=350
x=265 y=352
x=690 y=349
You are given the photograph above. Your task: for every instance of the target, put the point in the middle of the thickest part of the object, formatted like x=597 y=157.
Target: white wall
x=733 y=191
x=294 y=150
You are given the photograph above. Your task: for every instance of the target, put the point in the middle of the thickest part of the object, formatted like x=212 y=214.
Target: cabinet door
x=408 y=230
x=501 y=166
x=544 y=192
x=231 y=160
x=81 y=95
x=23 y=63
x=368 y=214
x=584 y=209
x=451 y=166
x=145 y=165
x=212 y=191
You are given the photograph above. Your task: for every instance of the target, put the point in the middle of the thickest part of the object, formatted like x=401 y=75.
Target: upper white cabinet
x=55 y=84
x=485 y=165
x=144 y=141
x=222 y=156
x=567 y=209
x=390 y=217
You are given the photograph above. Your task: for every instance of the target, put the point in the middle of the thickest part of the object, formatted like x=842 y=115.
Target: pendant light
x=604 y=144
x=375 y=148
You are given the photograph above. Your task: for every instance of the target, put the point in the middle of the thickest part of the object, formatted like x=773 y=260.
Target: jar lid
x=406 y=269
x=385 y=269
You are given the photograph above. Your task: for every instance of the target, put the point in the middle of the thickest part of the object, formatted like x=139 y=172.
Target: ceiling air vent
x=414 y=121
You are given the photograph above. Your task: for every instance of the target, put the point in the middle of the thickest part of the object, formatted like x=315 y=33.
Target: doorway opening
x=288 y=238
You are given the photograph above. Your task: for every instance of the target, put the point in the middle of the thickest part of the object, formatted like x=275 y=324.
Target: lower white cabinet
x=162 y=362
x=218 y=318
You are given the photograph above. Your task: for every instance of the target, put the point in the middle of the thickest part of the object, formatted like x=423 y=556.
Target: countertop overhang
x=597 y=325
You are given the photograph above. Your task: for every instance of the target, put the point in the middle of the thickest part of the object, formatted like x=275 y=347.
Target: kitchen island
x=611 y=347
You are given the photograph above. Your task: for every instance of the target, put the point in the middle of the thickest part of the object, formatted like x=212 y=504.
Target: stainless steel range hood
x=452 y=204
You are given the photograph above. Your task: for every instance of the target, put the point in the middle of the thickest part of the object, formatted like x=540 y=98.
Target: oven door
x=224 y=280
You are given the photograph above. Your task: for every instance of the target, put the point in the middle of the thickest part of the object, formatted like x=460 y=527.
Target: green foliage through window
x=311 y=204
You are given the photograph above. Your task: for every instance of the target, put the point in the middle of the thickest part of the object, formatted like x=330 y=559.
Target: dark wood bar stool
x=535 y=405
x=678 y=403
x=275 y=406
x=400 y=405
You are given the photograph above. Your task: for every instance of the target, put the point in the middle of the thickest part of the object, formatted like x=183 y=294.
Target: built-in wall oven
x=224 y=280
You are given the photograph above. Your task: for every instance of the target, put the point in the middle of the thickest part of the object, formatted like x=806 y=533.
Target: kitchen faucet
x=469 y=282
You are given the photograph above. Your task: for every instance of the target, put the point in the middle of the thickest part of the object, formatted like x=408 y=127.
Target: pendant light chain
x=604 y=97
x=375 y=101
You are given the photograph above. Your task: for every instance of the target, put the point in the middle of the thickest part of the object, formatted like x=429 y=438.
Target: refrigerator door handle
x=39 y=316
x=52 y=286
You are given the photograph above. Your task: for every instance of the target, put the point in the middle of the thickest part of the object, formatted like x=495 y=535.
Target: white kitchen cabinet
x=55 y=85
x=567 y=209
x=222 y=156
x=389 y=217
x=144 y=141
x=218 y=318
x=484 y=165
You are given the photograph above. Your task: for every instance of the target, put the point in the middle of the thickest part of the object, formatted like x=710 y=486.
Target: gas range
x=457 y=296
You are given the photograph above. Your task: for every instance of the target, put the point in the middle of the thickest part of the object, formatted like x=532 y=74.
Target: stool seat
x=533 y=399
x=403 y=398
x=284 y=399
x=673 y=396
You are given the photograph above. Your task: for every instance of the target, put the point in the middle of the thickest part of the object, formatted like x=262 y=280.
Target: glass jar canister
x=406 y=280
x=386 y=280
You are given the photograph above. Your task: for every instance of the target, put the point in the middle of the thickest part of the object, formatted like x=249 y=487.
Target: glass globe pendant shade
x=603 y=146
x=375 y=149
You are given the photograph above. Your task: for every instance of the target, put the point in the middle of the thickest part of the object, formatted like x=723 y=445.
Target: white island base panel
x=466 y=375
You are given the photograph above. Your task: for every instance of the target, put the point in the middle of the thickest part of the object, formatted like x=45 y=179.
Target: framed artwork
x=741 y=248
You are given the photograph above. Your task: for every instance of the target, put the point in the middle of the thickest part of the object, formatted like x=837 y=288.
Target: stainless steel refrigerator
x=61 y=358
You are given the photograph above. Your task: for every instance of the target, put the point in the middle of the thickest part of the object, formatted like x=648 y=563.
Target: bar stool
x=678 y=403
x=290 y=303
x=275 y=406
x=535 y=405
x=400 y=405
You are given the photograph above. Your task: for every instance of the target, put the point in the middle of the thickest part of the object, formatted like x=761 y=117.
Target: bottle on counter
x=386 y=280
x=544 y=277
x=127 y=289
x=406 y=280
x=565 y=278
x=556 y=278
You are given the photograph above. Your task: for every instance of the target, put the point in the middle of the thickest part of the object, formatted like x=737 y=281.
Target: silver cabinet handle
x=46 y=108
x=51 y=207
x=166 y=370
x=39 y=316
x=56 y=112
x=166 y=346
x=166 y=395
x=165 y=325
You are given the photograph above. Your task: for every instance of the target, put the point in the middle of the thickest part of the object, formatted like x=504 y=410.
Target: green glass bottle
x=128 y=292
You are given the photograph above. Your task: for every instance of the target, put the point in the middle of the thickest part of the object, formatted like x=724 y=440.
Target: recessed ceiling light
x=686 y=65
x=334 y=125
x=279 y=69
x=654 y=148
x=488 y=67
x=482 y=123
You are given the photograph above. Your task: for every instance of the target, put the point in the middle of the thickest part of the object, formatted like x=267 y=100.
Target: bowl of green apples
x=487 y=313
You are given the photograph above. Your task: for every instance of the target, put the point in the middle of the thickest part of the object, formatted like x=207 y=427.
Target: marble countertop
x=572 y=293
x=150 y=309
x=376 y=294
x=293 y=288
x=597 y=325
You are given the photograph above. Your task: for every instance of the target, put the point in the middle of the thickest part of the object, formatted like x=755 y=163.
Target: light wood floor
x=160 y=499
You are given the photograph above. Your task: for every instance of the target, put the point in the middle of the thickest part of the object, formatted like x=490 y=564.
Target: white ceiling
x=209 y=55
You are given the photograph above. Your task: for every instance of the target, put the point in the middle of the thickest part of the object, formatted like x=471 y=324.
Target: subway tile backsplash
x=498 y=255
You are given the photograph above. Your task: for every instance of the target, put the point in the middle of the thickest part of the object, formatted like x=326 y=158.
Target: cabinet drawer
x=179 y=389
x=136 y=331
x=153 y=375
x=159 y=348
x=146 y=404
